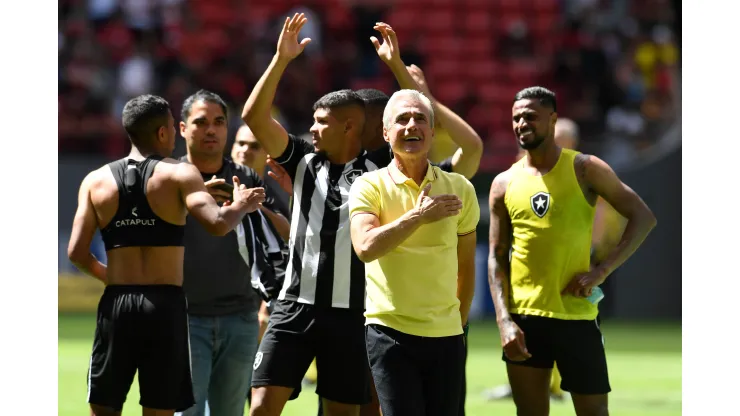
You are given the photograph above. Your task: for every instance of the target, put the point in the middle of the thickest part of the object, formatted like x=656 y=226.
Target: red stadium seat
x=478 y=22
x=451 y=91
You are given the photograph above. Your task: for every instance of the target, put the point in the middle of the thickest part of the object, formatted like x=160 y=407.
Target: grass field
x=644 y=365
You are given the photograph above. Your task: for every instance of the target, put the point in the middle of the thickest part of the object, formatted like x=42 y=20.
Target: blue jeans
x=222 y=353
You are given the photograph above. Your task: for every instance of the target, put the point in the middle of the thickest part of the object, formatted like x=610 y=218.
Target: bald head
x=566 y=133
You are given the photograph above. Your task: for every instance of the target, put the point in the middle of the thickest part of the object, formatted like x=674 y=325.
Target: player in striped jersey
x=319 y=312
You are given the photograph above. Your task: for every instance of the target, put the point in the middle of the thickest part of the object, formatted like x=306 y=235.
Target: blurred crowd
x=613 y=63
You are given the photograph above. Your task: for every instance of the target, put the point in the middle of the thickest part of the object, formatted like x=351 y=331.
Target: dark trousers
x=416 y=375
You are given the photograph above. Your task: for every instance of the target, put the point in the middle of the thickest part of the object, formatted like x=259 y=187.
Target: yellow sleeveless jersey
x=552 y=224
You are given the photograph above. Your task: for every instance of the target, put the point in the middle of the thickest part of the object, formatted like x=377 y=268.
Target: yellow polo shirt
x=413 y=288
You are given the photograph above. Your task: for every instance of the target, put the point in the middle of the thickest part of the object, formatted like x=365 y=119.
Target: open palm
x=388 y=51
x=288 y=46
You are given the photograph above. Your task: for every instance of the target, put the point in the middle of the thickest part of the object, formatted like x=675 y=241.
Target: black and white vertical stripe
x=323 y=269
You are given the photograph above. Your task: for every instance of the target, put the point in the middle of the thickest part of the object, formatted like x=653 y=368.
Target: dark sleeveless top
x=135 y=224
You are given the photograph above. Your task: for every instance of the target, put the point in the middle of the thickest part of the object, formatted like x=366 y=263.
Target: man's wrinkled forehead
x=408 y=106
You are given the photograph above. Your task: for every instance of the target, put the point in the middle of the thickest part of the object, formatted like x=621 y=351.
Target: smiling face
x=205 y=129
x=408 y=126
x=532 y=123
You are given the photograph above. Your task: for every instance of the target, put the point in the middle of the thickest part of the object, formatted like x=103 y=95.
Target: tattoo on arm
x=500 y=243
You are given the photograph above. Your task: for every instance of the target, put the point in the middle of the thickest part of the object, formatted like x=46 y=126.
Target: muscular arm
x=201 y=205
x=83 y=230
x=600 y=178
x=500 y=244
x=256 y=113
x=465 y=273
x=371 y=240
x=280 y=223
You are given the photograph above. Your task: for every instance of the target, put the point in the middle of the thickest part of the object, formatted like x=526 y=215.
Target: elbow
x=364 y=256
x=251 y=116
x=76 y=256
x=647 y=219
x=363 y=253
x=651 y=220
x=477 y=149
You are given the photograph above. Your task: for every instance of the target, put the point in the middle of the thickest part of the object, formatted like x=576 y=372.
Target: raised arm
x=257 y=110
x=600 y=177
x=512 y=337
x=467 y=158
x=201 y=205
x=83 y=230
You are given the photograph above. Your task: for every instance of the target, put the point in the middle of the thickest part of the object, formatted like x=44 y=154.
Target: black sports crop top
x=135 y=224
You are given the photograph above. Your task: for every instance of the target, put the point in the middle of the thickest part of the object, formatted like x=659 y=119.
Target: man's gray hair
x=416 y=95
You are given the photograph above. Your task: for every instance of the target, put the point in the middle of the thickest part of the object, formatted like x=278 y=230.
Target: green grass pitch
x=644 y=365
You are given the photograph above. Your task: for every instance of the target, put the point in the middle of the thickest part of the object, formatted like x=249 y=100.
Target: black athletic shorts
x=142 y=328
x=414 y=375
x=299 y=332
x=576 y=346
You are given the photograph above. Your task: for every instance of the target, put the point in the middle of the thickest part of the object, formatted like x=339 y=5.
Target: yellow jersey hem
x=465 y=233
x=435 y=333
x=556 y=315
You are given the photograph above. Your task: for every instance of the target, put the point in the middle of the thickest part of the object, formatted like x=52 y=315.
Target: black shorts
x=576 y=346
x=416 y=376
x=142 y=328
x=335 y=337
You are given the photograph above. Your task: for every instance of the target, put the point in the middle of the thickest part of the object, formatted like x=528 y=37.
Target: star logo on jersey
x=351 y=175
x=133 y=212
x=257 y=360
x=540 y=203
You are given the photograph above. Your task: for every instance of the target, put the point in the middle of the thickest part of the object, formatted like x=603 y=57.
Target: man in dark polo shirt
x=222 y=306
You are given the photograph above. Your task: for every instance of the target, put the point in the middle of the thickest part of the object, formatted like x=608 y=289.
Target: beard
x=533 y=144
x=536 y=141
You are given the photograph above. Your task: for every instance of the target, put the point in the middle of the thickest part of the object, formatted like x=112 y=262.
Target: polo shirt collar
x=399 y=177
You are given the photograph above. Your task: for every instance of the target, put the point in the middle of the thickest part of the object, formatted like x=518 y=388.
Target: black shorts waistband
x=124 y=289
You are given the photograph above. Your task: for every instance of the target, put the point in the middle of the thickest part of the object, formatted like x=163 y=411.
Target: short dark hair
x=202 y=95
x=373 y=97
x=339 y=99
x=143 y=116
x=543 y=95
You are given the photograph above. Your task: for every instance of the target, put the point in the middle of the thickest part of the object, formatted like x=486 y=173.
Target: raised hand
x=435 y=208
x=288 y=47
x=388 y=51
x=418 y=75
x=251 y=197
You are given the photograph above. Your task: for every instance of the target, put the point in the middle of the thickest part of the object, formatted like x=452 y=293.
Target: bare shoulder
x=97 y=178
x=589 y=168
x=181 y=171
x=500 y=183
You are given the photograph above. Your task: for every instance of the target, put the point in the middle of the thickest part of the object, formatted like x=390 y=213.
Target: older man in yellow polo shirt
x=414 y=227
